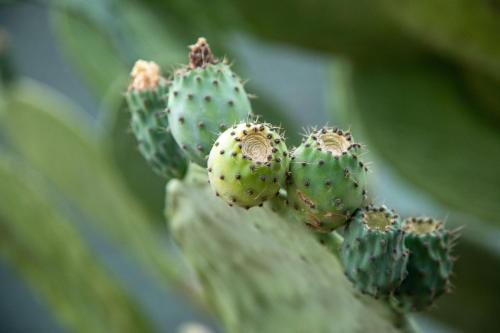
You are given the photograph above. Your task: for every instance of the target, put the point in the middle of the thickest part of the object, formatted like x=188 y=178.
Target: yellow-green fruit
x=248 y=164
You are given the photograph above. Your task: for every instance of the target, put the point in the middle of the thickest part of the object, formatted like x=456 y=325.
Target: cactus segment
x=248 y=164
x=429 y=266
x=205 y=98
x=146 y=101
x=328 y=180
x=373 y=252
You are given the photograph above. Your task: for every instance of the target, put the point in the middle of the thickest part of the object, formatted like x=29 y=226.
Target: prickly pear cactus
x=328 y=179
x=262 y=274
x=146 y=102
x=205 y=98
x=429 y=266
x=248 y=164
x=373 y=252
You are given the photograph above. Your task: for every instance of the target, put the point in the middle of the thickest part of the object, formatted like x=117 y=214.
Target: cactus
x=205 y=97
x=373 y=252
x=327 y=179
x=146 y=101
x=262 y=274
x=248 y=164
x=429 y=266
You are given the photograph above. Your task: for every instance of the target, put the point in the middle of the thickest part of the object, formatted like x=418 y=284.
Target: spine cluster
x=203 y=115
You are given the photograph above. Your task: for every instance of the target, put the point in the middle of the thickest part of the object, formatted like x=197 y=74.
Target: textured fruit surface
x=429 y=266
x=146 y=102
x=327 y=182
x=373 y=253
x=248 y=164
x=205 y=99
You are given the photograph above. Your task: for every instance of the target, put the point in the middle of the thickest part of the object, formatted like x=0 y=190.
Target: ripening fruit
x=248 y=164
x=429 y=266
x=146 y=101
x=328 y=179
x=373 y=253
x=205 y=98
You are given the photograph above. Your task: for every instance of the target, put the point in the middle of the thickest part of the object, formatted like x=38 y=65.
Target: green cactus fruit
x=373 y=253
x=146 y=101
x=429 y=266
x=205 y=98
x=278 y=202
x=328 y=179
x=248 y=164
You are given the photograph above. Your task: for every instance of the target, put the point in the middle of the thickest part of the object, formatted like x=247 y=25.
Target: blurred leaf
x=484 y=88
x=476 y=271
x=146 y=38
x=466 y=30
x=472 y=286
x=92 y=52
x=356 y=28
x=416 y=117
x=50 y=255
x=111 y=36
x=58 y=141
x=262 y=274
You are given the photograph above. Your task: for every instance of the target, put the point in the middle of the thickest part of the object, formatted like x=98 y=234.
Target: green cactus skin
x=146 y=102
x=205 y=99
x=327 y=181
x=248 y=164
x=332 y=241
x=373 y=253
x=429 y=266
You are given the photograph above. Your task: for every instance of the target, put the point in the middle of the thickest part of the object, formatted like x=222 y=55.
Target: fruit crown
x=145 y=75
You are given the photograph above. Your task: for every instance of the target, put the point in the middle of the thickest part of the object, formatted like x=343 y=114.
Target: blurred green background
x=83 y=242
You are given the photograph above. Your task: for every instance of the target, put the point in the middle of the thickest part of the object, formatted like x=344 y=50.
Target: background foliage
x=417 y=82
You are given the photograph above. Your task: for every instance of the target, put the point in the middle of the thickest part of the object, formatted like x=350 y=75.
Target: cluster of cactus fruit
x=202 y=114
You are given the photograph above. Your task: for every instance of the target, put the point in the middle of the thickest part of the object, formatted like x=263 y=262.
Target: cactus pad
x=373 y=252
x=429 y=266
x=247 y=164
x=327 y=181
x=205 y=98
x=146 y=102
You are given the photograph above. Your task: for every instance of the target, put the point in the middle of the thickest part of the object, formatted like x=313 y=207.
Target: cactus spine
x=429 y=266
x=146 y=101
x=247 y=164
x=327 y=182
x=205 y=98
x=373 y=252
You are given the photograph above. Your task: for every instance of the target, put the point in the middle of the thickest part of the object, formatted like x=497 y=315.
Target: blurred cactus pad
x=177 y=193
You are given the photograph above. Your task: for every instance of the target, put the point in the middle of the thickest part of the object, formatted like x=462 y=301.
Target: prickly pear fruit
x=146 y=101
x=429 y=266
x=248 y=164
x=205 y=98
x=327 y=182
x=373 y=253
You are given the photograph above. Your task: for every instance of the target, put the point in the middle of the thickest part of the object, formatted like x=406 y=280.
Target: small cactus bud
x=146 y=101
